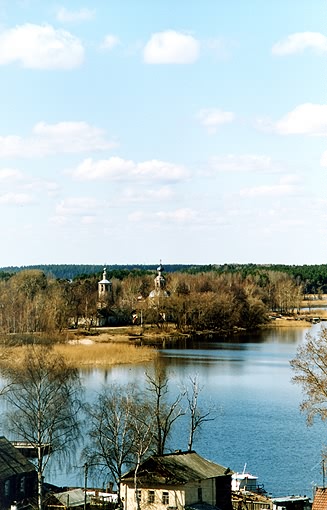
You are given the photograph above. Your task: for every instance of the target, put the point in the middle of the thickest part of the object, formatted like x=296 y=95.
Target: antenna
x=323 y=472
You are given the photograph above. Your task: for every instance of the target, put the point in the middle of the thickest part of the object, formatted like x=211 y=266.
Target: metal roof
x=176 y=468
x=12 y=461
x=74 y=497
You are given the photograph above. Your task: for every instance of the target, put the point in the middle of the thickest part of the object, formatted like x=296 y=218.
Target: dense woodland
x=218 y=298
x=313 y=278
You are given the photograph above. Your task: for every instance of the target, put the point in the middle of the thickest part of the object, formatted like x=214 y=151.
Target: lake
x=257 y=422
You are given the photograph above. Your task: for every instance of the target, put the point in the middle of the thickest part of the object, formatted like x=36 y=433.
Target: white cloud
x=211 y=118
x=244 y=163
x=185 y=215
x=287 y=185
x=119 y=169
x=79 y=206
x=10 y=174
x=170 y=47
x=142 y=195
x=299 y=42
x=307 y=118
x=51 y=188
x=40 y=47
x=66 y=16
x=179 y=216
x=109 y=42
x=63 y=137
x=16 y=199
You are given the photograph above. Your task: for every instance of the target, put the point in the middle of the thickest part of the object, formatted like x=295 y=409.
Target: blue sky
x=192 y=131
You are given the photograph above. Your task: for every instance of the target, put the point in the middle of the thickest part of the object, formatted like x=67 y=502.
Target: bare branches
x=310 y=367
x=165 y=413
x=44 y=398
x=196 y=418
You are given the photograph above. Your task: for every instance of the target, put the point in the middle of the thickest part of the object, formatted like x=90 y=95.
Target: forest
x=313 y=278
x=35 y=301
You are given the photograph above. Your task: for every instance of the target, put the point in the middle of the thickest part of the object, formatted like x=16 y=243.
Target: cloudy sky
x=192 y=131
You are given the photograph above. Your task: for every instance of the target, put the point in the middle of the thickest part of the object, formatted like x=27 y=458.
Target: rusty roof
x=176 y=468
x=320 y=499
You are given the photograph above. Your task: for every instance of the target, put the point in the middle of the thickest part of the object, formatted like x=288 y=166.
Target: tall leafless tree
x=197 y=418
x=44 y=396
x=310 y=368
x=165 y=411
x=120 y=431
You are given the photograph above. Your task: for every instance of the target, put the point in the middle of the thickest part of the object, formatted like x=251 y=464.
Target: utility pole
x=86 y=467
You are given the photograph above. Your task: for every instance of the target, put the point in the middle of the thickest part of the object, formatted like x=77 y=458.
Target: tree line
x=313 y=277
x=33 y=302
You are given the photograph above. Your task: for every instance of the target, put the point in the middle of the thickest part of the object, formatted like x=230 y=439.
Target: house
x=177 y=481
x=18 y=477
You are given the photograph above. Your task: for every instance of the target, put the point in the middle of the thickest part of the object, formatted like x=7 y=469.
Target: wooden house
x=178 y=481
x=18 y=477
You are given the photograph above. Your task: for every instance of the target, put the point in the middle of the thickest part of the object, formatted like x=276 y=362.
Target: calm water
x=255 y=405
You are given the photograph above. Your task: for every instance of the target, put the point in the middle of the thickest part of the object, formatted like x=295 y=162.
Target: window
x=200 y=494
x=7 y=487
x=150 y=496
x=165 y=498
x=22 y=485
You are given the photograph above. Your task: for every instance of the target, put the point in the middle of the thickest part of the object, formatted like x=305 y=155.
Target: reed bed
x=105 y=354
x=87 y=355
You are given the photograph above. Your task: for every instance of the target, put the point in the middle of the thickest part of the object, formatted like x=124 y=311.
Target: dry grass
x=105 y=354
x=82 y=355
x=287 y=322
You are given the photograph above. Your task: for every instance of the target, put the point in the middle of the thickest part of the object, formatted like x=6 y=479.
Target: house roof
x=74 y=497
x=12 y=461
x=201 y=506
x=320 y=499
x=175 y=469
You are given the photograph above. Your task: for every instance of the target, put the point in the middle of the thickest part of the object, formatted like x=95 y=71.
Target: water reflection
x=247 y=383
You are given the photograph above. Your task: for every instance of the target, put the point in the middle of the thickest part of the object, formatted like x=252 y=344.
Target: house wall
x=176 y=497
x=202 y=490
x=179 y=497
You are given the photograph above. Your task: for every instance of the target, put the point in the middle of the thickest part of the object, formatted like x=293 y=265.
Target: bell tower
x=104 y=289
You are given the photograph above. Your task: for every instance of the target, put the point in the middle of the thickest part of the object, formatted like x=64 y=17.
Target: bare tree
x=44 y=397
x=143 y=427
x=119 y=433
x=196 y=417
x=165 y=413
x=310 y=367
